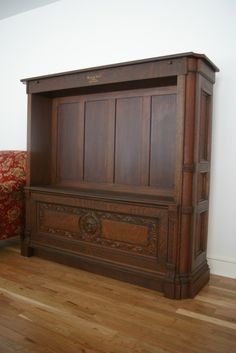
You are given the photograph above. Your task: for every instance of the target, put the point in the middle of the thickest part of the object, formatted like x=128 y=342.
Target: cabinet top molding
x=157 y=67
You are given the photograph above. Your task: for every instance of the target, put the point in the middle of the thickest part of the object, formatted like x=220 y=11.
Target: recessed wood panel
x=39 y=140
x=201 y=233
x=163 y=141
x=204 y=126
x=132 y=141
x=99 y=141
x=69 y=125
x=52 y=221
x=125 y=232
x=203 y=186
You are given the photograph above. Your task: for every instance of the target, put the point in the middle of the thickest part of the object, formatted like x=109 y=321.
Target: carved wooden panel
x=120 y=231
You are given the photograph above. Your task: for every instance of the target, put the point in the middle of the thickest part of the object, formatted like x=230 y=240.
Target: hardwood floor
x=50 y=308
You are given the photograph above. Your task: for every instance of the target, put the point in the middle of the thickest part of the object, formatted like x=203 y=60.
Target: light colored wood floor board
x=50 y=308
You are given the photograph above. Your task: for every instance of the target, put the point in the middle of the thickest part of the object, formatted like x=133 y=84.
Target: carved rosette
x=90 y=225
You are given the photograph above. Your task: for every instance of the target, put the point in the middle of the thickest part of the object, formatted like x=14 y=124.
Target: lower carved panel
x=130 y=233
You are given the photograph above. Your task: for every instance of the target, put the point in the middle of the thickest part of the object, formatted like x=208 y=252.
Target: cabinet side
x=192 y=269
x=202 y=157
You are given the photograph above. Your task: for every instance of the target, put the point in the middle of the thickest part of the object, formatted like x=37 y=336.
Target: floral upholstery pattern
x=12 y=182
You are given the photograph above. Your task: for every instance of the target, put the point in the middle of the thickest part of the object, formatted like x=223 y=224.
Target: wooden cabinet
x=118 y=170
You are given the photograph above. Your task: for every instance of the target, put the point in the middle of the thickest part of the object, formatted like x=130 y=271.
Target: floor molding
x=222 y=267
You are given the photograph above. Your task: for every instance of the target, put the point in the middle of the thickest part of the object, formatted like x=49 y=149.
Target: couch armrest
x=10 y=186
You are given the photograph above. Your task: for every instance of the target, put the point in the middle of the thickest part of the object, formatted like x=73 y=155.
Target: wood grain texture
x=68 y=157
x=132 y=142
x=52 y=308
x=163 y=141
x=99 y=141
x=104 y=140
x=39 y=140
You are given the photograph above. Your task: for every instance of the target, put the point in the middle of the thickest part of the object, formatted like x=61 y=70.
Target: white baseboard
x=222 y=267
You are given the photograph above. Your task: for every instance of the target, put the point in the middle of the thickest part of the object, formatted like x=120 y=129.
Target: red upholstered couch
x=12 y=182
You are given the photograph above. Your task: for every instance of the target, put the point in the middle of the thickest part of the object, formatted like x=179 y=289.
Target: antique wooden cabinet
x=118 y=170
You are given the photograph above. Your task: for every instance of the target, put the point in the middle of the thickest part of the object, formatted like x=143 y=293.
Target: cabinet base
x=181 y=287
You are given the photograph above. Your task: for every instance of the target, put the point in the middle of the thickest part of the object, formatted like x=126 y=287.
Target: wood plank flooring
x=51 y=308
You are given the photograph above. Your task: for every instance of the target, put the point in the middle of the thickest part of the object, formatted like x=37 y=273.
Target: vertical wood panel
x=145 y=141
x=69 y=125
x=99 y=141
x=203 y=186
x=163 y=141
x=132 y=141
x=187 y=222
x=201 y=232
x=204 y=127
x=202 y=170
x=39 y=140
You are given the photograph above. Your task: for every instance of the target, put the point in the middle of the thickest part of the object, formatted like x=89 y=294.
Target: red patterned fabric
x=12 y=182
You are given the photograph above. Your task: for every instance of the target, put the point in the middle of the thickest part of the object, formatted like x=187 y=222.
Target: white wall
x=70 y=34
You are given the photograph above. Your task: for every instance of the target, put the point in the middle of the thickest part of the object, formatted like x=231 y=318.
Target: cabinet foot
x=26 y=250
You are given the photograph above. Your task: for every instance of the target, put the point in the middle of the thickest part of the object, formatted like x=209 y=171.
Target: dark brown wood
x=99 y=141
x=39 y=140
x=119 y=162
x=139 y=70
x=68 y=157
x=163 y=141
x=132 y=142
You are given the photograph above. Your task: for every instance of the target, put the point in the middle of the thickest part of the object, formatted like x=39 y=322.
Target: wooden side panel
x=201 y=182
x=163 y=141
x=186 y=231
x=99 y=141
x=132 y=141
